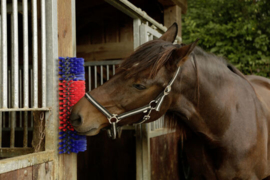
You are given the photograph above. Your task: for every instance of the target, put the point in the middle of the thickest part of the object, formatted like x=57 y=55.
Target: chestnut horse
x=224 y=114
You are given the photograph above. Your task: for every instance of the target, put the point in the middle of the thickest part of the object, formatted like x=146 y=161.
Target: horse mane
x=152 y=55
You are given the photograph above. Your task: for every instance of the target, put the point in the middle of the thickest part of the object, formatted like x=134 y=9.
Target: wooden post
x=173 y=14
x=67 y=162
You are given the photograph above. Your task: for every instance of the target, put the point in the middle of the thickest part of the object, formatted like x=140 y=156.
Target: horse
x=223 y=114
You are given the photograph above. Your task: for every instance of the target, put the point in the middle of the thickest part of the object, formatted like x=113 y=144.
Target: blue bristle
x=72 y=142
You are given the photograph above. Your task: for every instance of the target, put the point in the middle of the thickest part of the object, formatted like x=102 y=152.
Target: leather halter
x=146 y=110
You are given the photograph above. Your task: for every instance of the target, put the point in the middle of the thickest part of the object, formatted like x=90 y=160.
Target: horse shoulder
x=262 y=88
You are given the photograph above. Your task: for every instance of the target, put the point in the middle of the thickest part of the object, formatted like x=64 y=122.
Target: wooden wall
x=103 y=32
x=37 y=172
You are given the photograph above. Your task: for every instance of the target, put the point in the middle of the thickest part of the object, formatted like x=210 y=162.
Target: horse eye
x=139 y=86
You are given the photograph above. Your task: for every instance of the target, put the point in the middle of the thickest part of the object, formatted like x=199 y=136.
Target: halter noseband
x=147 y=109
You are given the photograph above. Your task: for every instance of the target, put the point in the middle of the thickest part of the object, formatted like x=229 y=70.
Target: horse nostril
x=75 y=120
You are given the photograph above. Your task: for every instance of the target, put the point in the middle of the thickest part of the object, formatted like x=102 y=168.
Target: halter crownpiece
x=147 y=109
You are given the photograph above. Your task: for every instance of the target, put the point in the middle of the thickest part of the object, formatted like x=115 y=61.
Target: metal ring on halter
x=151 y=104
x=167 y=90
x=114 y=116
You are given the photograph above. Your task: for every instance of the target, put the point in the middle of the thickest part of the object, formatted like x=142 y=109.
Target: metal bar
x=89 y=78
x=1 y=114
x=4 y=119
x=136 y=32
x=25 y=129
x=35 y=53
x=4 y=53
x=1 y=84
x=9 y=89
x=15 y=55
x=20 y=94
x=12 y=129
x=113 y=69
x=25 y=55
x=9 y=97
x=1 y=129
x=108 y=72
x=95 y=76
x=101 y=75
x=43 y=52
x=32 y=94
x=52 y=78
x=135 y=12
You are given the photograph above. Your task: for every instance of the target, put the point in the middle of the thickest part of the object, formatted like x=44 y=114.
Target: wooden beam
x=12 y=152
x=94 y=52
x=181 y=3
x=18 y=162
x=67 y=162
x=173 y=14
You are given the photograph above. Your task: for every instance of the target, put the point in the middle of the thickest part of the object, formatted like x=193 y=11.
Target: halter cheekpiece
x=146 y=110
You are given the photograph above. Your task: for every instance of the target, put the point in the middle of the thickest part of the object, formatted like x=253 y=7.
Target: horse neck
x=204 y=91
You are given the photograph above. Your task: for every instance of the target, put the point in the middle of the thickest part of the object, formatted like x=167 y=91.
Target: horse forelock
x=151 y=56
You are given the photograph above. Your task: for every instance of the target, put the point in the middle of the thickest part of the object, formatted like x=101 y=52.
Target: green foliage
x=236 y=29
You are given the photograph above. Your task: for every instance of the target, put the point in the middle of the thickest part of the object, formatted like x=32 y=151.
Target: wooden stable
x=102 y=32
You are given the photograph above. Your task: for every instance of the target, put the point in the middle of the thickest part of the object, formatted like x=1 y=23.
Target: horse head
x=140 y=78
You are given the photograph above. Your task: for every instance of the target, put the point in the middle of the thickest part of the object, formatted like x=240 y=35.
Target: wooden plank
x=164 y=157
x=111 y=32
x=93 y=52
x=173 y=14
x=126 y=32
x=181 y=3
x=19 y=162
x=146 y=152
x=139 y=158
x=9 y=176
x=25 y=173
x=43 y=171
x=67 y=162
x=20 y=174
x=97 y=35
x=12 y=152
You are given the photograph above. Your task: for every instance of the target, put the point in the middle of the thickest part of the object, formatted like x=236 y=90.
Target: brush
x=71 y=90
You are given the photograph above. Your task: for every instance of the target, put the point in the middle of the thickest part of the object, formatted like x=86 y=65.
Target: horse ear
x=170 y=34
x=183 y=52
